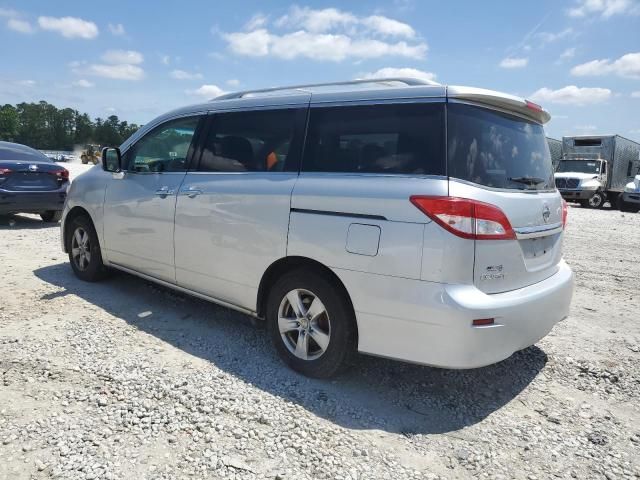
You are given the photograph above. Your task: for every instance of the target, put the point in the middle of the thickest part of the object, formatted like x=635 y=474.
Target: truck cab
x=583 y=180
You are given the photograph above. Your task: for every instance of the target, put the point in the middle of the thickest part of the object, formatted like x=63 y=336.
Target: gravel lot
x=124 y=379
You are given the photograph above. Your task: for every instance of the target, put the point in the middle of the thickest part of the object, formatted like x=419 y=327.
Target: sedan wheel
x=304 y=324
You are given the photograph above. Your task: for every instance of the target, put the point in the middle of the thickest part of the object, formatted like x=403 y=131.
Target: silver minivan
x=392 y=217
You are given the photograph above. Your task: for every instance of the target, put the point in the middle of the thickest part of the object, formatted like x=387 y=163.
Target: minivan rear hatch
x=498 y=154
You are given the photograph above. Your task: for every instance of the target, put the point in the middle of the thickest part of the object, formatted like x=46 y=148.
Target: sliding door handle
x=163 y=192
x=191 y=192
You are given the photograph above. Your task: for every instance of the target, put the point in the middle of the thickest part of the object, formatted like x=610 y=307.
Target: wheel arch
x=288 y=264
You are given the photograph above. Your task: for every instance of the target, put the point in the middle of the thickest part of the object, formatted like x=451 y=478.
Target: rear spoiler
x=501 y=101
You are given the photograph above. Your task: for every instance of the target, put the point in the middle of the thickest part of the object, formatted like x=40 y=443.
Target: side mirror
x=111 y=160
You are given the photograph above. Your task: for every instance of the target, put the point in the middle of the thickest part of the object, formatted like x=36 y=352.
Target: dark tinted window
x=497 y=150
x=164 y=149
x=17 y=152
x=399 y=138
x=587 y=142
x=255 y=141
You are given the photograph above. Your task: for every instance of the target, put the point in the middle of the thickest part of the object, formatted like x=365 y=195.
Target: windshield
x=497 y=150
x=581 y=166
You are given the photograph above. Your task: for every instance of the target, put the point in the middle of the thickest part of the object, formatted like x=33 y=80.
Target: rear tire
x=311 y=323
x=51 y=216
x=83 y=246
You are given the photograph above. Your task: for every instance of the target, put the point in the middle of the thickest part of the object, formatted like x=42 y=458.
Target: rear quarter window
x=384 y=139
x=497 y=150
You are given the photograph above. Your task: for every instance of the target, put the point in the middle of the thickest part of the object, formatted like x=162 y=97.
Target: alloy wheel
x=81 y=248
x=304 y=324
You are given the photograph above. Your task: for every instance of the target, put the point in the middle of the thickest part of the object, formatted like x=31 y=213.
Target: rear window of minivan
x=384 y=139
x=497 y=150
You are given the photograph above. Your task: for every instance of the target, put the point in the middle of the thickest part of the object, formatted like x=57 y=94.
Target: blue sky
x=578 y=58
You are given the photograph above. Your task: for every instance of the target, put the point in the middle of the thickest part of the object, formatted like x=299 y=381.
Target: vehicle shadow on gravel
x=22 y=222
x=374 y=393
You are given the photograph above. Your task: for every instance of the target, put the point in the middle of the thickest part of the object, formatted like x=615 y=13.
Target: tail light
x=62 y=174
x=565 y=213
x=5 y=171
x=466 y=218
x=533 y=106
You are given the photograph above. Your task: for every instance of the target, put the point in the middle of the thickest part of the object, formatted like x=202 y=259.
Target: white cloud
x=635 y=94
x=117 y=29
x=27 y=83
x=568 y=53
x=122 y=57
x=232 y=82
x=572 y=95
x=257 y=21
x=550 y=37
x=207 y=91
x=604 y=8
x=626 y=66
x=390 y=72
x=7 y=12
x=326 y=34
x=182 y=75
x=69 y=27
x=512 y=62
x=318 y=46
x=585 y=128
x=388 y=26
x=82 y=83
x=21 y=26
x=116 y=72
x=316 y=20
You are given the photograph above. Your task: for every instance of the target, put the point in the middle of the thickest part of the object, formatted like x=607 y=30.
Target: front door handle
x=163 y=192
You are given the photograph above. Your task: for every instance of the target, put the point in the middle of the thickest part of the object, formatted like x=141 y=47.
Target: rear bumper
x=32 y=202
x=631 y=198
x=431 y=323
x=577 y=194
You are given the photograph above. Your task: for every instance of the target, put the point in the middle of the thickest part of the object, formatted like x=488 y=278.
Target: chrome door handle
x=164 y=192
x=192 y=192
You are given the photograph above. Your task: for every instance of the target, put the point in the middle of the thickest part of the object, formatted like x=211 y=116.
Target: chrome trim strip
x=523 y=233
x=183 y=290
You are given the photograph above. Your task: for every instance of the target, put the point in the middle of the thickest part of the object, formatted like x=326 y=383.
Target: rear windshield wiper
x=527 y=180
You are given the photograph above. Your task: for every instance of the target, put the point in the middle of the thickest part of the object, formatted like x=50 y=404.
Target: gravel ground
x=124 y=379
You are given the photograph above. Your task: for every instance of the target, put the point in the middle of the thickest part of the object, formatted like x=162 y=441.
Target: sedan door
x=140 y=202
x=232 y=213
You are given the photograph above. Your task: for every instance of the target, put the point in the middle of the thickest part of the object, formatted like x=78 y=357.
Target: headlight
x=589 y=186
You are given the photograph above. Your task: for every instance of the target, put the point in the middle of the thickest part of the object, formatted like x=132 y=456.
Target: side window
x=398 y=138
x=164 y=149
x=253 y=141
x=630 y=168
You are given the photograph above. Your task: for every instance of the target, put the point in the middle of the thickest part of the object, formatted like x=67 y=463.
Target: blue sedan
x=30 y=182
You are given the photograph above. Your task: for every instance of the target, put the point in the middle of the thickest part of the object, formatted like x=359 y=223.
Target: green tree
x=9 y=123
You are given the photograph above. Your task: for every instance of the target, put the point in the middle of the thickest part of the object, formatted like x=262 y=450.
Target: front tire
x=597 y=200
x=51 y=216
x=83 y=246
x=311 y=323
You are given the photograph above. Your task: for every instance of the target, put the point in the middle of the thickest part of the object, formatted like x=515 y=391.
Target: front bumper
x=32 y=202
x=577 y=194
x=431 y=323
x=631 y=197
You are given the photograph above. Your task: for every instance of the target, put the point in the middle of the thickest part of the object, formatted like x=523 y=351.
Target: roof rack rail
x=410 y=82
